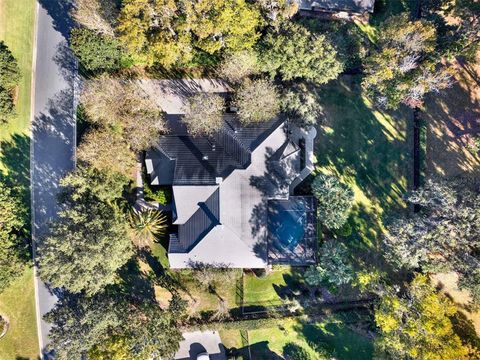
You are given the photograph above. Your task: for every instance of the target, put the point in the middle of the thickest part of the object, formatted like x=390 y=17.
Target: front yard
x=330 y=336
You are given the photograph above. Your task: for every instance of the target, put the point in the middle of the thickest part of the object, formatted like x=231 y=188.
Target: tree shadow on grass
x=261 y=351
x=336 y=339
x=15 y=157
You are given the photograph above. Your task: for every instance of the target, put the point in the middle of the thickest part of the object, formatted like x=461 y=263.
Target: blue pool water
x=287 y=223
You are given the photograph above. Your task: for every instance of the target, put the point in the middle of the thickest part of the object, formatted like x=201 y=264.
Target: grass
x=16 y=29
x=369 y=150
x=329 y=336
x=449 y=113
x=267 y=291
x=18 y=304
x=383 y=10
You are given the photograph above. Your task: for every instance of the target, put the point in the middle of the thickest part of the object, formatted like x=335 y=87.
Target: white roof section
x=172 y=95
x=187 y=198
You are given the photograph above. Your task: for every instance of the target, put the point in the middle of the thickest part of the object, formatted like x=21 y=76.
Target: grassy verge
x=18 y=304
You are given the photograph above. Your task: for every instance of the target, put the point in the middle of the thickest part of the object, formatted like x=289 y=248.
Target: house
x=338 y=9
x=232 y=192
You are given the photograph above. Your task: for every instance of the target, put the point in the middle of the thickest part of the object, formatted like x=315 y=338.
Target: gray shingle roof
x=357 y=6
x=200 y=160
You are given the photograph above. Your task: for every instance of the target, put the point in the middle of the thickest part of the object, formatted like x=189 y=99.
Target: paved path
x=53 y=129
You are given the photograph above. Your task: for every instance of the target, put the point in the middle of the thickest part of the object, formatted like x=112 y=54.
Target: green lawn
x=368 y=149
x=267 y=291
x=329 y=336
x=17 y=19
x=18 y=304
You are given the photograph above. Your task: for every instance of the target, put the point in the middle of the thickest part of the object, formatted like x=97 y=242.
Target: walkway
x=53 y=130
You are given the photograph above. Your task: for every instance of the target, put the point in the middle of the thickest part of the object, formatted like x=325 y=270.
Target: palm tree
x=146 y=225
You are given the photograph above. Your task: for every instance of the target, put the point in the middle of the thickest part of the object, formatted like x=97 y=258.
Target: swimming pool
x=287 y=225
x=292 y=230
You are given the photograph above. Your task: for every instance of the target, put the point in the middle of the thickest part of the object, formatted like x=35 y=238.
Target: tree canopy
x=204 y=114
x=168 y=32
x=110 y=325
x=9 y=78
x=97 y=52
x=293 y=52
x=405 y=66
x=85 y=247
x=12 y=227
x=257 y=101
x=445 y=235
x=416 y=324
x=334 y=200
x=333 y=268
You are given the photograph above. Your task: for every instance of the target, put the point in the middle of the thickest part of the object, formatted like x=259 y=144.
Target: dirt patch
x=447 y=283
x=453 y=119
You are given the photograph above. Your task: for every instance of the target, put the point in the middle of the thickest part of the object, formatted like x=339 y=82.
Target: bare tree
x=237 y=66
x=107 y=151
x=204 y=114
x=98 y=15
x=123 y=107
x=257 y=101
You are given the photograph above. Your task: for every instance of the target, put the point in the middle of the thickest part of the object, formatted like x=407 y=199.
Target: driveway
x=196 y=342
x=53 y=130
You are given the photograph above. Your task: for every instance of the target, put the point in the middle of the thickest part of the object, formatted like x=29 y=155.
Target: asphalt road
x=53 y=130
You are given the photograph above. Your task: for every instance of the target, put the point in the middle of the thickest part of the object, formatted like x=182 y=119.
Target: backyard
x=17 y=302
x=371 y=151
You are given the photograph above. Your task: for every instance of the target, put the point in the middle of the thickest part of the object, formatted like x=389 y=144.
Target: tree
x=204 y=114
x=222 y=24
x=276 y=11
x=12 y=228
x=443 y=236
x=301 y=102
x=79 y=323
x=111 y=325
x=168 y=32
x=416 y=324
x=238 y=66
x=7 y=106
x=293 y=52
x=335 y=200
x=97 y=52
x=9 y=78
x=85 y=247
x=97 y=15
x=106 y=152
x=257 y=101
x=121 y=107
x=404 y=67
x=9 y=70
x=333 y=269
x=146 y=225
x=107 y=187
